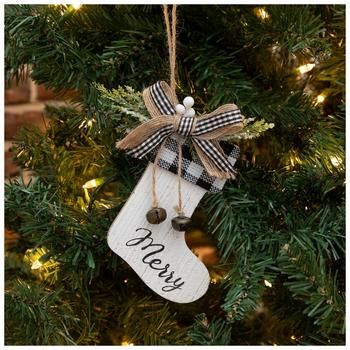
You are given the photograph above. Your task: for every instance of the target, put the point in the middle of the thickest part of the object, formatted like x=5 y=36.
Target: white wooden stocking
x=158 y=253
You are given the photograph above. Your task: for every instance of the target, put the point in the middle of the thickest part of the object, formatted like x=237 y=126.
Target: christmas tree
x=273 y=241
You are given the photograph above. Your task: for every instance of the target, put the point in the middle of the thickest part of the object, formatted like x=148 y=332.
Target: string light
x=294 y=160
x=93 y=183
x=306 y=68
x=43 y=267
x=336 y=161
x=261 y=13
x=268 y=284
x=36 y=265
x=76 y=5
x=33 y=256
x=20 y=153
x=320 y=99
x=126 y=343
x=90 y=184
x=293 y=337
x=87 y=123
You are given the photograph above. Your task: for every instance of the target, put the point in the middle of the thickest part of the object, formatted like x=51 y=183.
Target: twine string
x=155 y=199
x=171 y=38
x=179 y=208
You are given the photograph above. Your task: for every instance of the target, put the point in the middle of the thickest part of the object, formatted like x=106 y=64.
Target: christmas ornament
x=158 y=253
x=153 y=245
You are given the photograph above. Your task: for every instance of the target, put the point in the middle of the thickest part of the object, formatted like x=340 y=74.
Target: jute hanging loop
x=204 y=131
x=171 y=35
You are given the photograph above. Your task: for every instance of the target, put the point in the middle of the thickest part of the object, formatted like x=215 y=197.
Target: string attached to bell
x=158 y=214
x=171 y=37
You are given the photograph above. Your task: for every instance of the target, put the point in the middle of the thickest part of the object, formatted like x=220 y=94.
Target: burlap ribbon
x=204 y=131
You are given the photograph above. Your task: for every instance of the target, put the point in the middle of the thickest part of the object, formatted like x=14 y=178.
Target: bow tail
x=146 y=137
x=214 y=159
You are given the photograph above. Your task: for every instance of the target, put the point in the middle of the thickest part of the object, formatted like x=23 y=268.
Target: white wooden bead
x=180 y=109
x=188 y=102
x=190 y=113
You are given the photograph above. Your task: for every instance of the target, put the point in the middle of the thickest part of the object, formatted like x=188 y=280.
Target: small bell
x=156 y=215
x=181 y=223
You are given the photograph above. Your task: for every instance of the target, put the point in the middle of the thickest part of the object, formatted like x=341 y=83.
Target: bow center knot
x=184 y=120
x=184 y=125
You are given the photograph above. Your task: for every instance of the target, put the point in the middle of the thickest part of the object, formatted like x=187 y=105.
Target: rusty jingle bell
x=181 y=223
x=156 y=215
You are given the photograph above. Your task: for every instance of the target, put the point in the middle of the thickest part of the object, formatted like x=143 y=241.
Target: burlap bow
x=204 y=131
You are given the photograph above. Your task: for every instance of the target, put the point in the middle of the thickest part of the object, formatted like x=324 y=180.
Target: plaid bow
x=203 y=131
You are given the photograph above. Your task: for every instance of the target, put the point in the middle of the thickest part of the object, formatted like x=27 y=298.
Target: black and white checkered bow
x=202 y=131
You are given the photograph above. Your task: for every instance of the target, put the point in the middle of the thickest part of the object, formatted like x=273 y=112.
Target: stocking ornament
x=151 y=240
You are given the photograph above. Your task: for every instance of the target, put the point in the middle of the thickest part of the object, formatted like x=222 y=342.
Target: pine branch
x=245 y=285
x=236 y=217
x=293 y=28
x=332 y=70
x=310 y=282
x=45 y=317
x=150 y=322
x=121 y=108
x=215 y=332
x=69 y=235
x=71 y=52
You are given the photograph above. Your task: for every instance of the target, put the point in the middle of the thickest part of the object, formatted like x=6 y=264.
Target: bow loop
x=223 y=121
x=204 y=130
x=159 y=99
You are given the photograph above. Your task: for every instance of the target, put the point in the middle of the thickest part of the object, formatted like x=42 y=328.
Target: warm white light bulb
x=306 y=68
x=36 y=265
x=125 y=343
x=94 y=183
x=320 y=98
x=76 y=5
x=90 y=184
x=267 y=283
x=262 y=13
x=335 y=161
